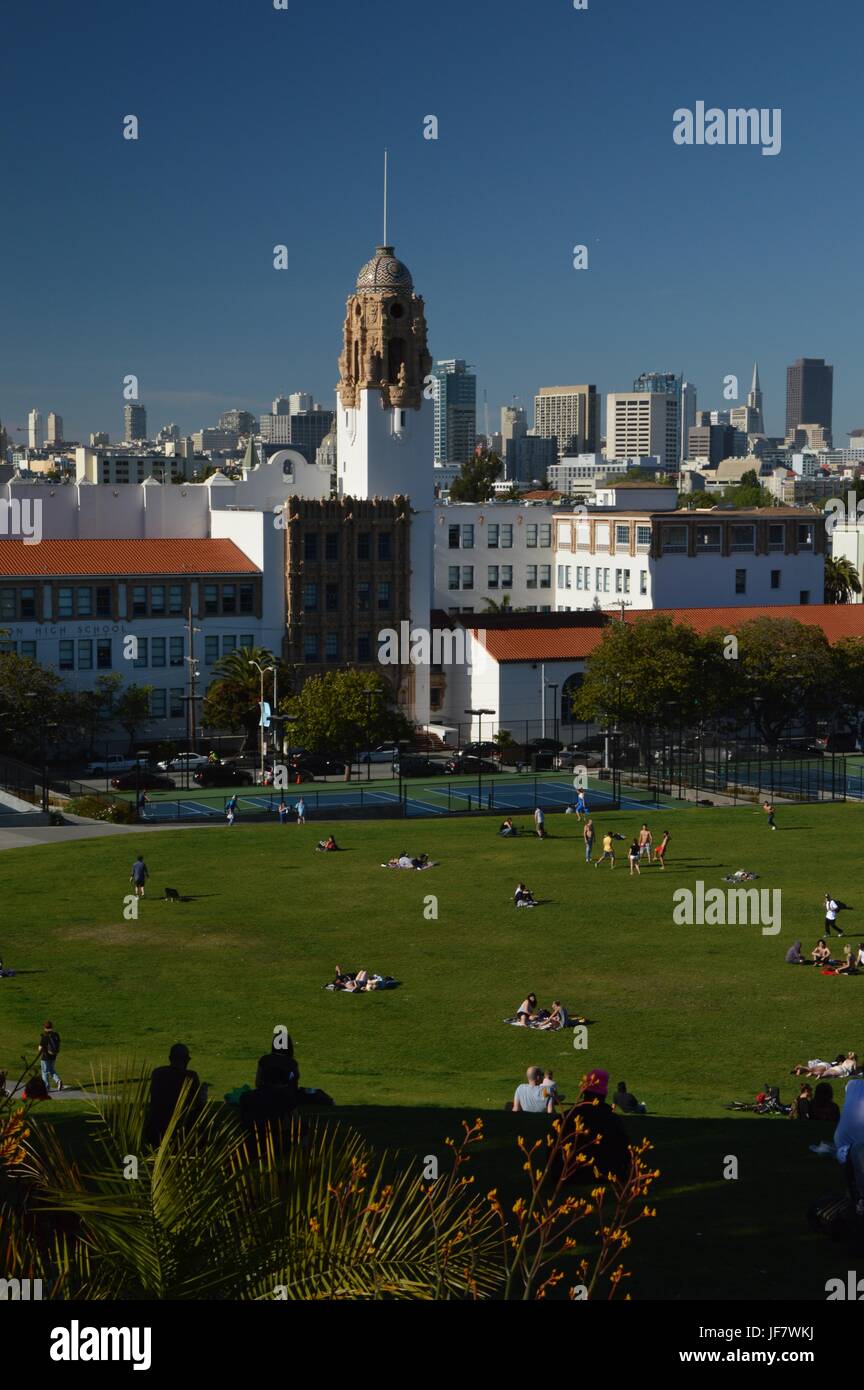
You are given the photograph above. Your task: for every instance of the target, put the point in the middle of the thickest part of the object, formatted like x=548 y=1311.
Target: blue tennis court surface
x=496 y=793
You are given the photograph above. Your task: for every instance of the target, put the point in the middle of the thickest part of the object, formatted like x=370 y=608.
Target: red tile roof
x=48 y=558
x=571 y=642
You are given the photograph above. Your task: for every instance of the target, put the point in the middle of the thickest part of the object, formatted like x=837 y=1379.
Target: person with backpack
x=49 y=1046
x=832 y=907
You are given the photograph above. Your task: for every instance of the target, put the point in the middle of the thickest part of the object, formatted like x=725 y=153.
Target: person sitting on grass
x=327 y=845
x=820 y=955
x=167 y=1086
x=523 y=897
x=824 y=1107
x=848 y=964
x=794 y=956
x=279 y=1066
x=557 y=1018
x=527 y=1010
x=532 y=1097
x=507 y=827
x=625 y=1102
x=842 y=1066
x=35 y=1089
x=597 y=1140
x=802 y=1104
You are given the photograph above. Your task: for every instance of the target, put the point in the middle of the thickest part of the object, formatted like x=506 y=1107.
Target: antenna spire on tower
x=386 y=243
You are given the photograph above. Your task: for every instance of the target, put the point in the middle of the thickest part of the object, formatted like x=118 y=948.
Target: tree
x=132 y=710
x=748 y=493
x=476 y=478
x=842 y=580
x=848 y=665
x=341 y=711
x=233 y=697
x=32 y=698
x=784 y=673
x=502 y=605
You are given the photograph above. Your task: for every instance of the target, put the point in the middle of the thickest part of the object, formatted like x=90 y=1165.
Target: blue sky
x=260 y=126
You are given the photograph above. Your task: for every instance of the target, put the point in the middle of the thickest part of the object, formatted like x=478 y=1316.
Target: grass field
x=690 y=1016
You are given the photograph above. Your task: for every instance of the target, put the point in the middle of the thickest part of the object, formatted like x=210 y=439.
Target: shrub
x=97 y=808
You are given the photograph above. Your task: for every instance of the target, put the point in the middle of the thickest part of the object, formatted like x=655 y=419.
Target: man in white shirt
x=831 y=910
x=539 y=823
x=534 y=1098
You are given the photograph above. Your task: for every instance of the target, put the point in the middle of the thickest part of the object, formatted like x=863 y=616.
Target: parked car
x=481 y=750
x=585 y=757
x=418 y=765
x=114 y=763
x=318 y=764
x=223 y=775
x=144 y=781
x=386 y=753
x=182 y=761
x=469 y=764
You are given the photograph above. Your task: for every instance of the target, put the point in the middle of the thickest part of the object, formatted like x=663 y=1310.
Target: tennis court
x=519 y=794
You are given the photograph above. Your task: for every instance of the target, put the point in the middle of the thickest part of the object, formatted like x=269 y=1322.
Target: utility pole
x=193 y=675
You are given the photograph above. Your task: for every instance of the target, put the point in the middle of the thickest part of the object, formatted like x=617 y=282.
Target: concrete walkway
x=82 y=830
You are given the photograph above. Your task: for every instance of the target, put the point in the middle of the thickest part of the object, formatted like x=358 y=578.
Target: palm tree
x=232 y=699
x=501 y=605
x=216 y=1213
x=842 y=580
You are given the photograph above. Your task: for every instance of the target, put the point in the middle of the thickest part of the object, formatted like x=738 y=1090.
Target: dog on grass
x=172 y=896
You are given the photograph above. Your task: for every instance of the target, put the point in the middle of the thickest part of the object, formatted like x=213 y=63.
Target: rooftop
x=123 y=558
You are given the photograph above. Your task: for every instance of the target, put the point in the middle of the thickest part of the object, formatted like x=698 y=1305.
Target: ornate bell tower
x=385 y=428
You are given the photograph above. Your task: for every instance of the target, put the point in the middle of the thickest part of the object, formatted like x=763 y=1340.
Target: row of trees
x=37 y=705
x=772 y=673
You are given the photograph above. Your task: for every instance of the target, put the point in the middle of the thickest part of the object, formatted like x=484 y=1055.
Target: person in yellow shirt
x=608 y=853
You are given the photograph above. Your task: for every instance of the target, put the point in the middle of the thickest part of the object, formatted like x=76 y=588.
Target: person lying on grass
x=328 y=844
x=406 y=861
x=843 y=1065
x=523 y=897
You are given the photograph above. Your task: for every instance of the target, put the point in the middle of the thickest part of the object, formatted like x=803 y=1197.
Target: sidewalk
x=83 y=830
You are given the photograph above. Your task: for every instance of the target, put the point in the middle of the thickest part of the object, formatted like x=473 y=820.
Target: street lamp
x=478 y=715
x=262 y=671
x=554 y=689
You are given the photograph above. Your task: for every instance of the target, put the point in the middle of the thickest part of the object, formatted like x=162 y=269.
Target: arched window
x=395 y=358
x=569 y=691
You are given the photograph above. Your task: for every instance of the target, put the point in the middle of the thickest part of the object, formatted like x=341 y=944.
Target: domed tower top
x=384 y=336
x=384 y=272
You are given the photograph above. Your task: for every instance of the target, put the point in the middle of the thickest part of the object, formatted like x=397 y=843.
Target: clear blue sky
x=259 y=126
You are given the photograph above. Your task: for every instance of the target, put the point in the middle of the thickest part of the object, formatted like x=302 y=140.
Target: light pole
x=478 y=715
x=262 y=671
x=369 y=696
x=554 y=689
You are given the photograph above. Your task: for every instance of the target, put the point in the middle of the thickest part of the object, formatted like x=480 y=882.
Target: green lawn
x=690 y=1016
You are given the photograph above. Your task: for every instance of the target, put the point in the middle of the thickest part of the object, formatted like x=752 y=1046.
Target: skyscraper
x=455 y=411
x=642 y=423
x=34 y=430
x=809 y=393
x=668 y=384
x=754 y=401
x=134 y=422
x=571 y=415
x=55 y=427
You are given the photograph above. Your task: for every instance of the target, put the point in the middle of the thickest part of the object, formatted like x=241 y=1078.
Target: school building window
x=364 y=597
x=506 y=576
x=492 y=577
x=157 y=650
x=176 y=707
x=545 y=576
x=331 y=646
x=229 y=645
x=740 y=581
x=211 y=651
x=467 y=537
x=175 y=651
x=364 y=646
x=157 y=600
x=775 y=579
x=467 y=576
x=310 y=546
x=546 y=535
x=331 y=545
x=492 y=533
x=531 y=577
x=141 y=658
x=310 y=598
x=364 y=545
x=67 y=656
x=158 y=703
x=103 y=654
x=103 y=603
x=453 y=577
x=506 y=536
x=310 y=646
x=229 y=598
x=384 y=545
x=383 y=597
x=531 y=536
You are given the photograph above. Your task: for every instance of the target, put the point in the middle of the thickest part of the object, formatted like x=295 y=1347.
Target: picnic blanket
x=428 y=865
x=541 y=1018
x=375 y=982
x=740 y=876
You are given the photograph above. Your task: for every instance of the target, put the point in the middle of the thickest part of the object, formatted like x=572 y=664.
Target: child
x=550 y=1086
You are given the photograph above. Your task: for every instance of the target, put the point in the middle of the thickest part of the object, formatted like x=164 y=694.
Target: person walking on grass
x=581 y=808
x=49 y=1046
x=768 y=808
x=608 y=852
x=660 y=850
x=588 y=837
x=645 y=843
x=301 y=812
x=139 y=876
x=633 y=856
x=540 y=823
x=231 y=809
x=832 y=907
x=283 y=812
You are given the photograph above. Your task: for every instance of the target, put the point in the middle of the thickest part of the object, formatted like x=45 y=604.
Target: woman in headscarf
x=849 y=1141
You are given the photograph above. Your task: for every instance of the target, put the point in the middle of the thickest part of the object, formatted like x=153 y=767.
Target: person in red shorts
x=660 y=850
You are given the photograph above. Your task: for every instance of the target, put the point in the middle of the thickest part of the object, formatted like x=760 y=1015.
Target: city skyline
x=155 y=225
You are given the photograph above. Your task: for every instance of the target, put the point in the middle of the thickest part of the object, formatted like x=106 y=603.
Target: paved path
x=84 y=830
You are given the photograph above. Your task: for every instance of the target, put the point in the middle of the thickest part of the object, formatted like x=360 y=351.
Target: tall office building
x=570 y=415
x=238 y=421
x=514 y=426
x=34 y=430
x=684 y=394
x=281 y=406
x=55 y=428
x=299 y=401
x=99 y=438
x=455 y=411
x=643 y=422
x=169 y=434
x=134 y=422
x=754 y=402
x=809 y=393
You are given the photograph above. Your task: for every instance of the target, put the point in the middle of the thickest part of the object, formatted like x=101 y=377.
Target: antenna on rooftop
x=386 y=243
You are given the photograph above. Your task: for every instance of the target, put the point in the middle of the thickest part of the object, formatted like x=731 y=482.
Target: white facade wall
x=514 y=556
